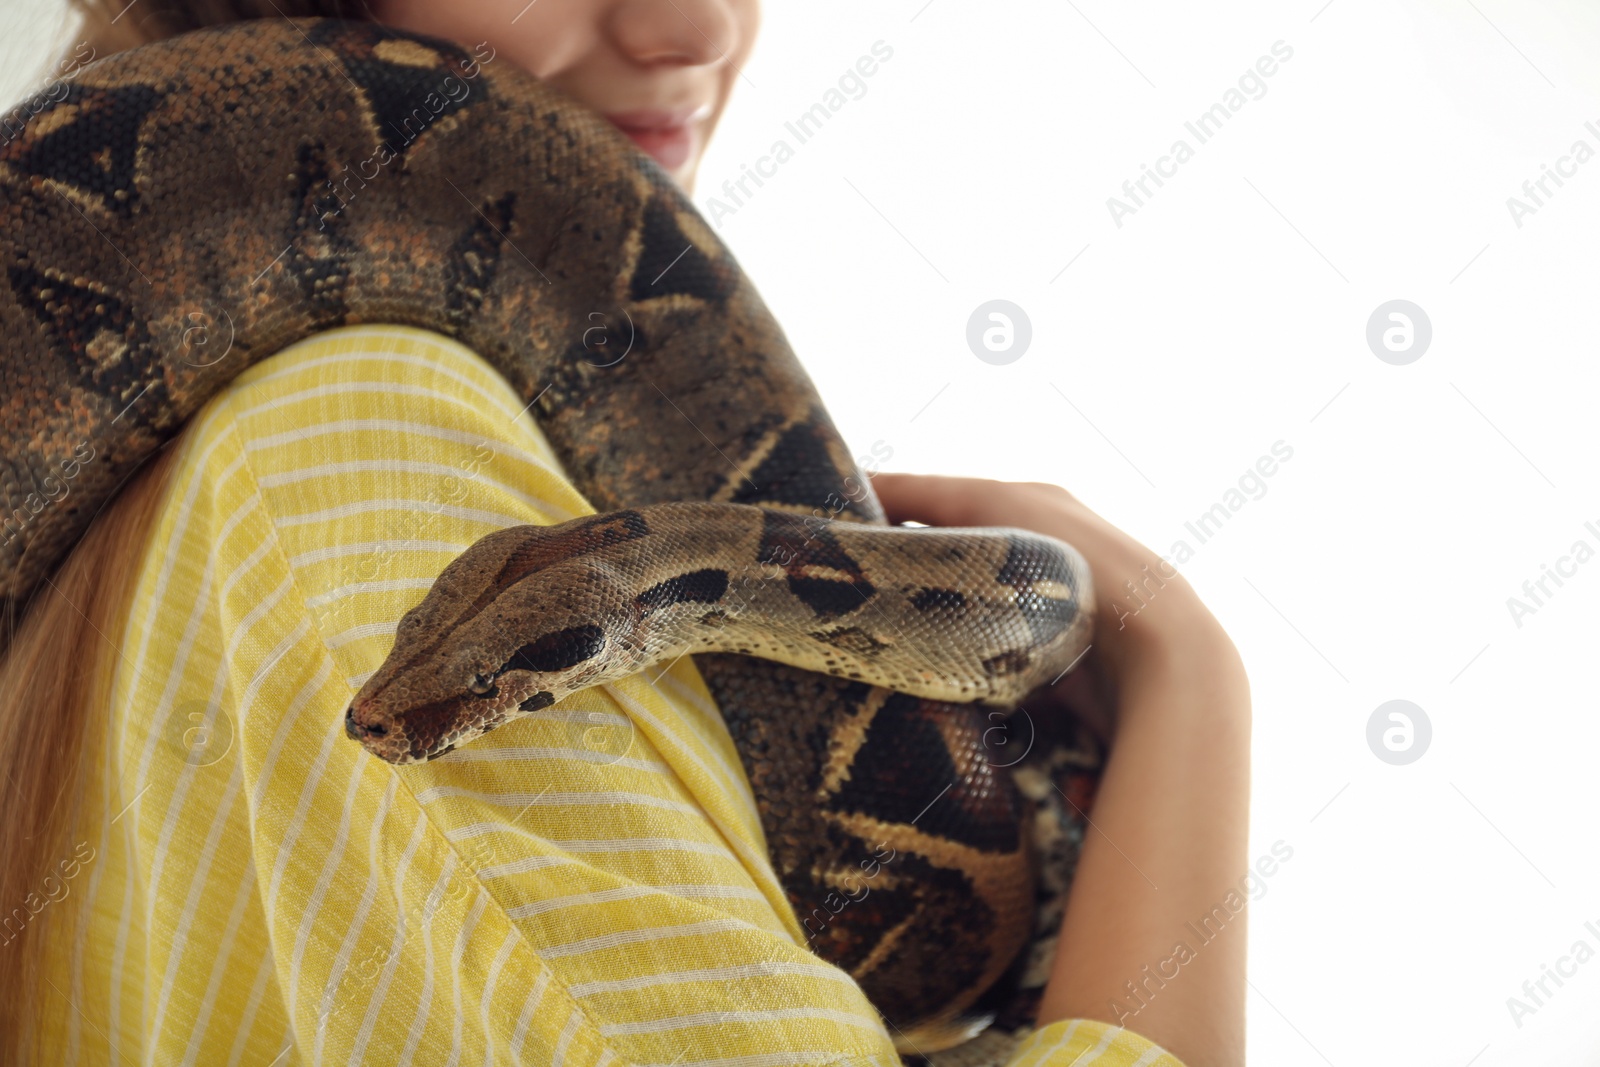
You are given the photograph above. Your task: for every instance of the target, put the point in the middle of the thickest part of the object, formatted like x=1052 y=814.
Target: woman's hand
x=1146 y=610
x=1172 y=812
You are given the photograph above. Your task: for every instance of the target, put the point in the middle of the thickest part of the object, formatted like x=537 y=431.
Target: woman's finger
x=936 y=500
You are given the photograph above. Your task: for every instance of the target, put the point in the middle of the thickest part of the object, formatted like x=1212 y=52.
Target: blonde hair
x=56 y=669
x=55 y=689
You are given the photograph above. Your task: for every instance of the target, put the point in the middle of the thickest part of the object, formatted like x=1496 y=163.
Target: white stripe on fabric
x=388 y=585
x=500 y=958
x=1106 y=1038
x=765 y=969
x=607 y=798
x=643 y=844
x=381 y=994
x=497 y=519
x=357 y=387
x=735 y=777
x=203 y=601
x=197 y=887
x=130 y=874
x=630 y=892
x=524 y=754
x=248 y=564
x=523 y=866
x=419 y=1017
x=286 y=725
x=1037 y=1055
x=186 y=774
x=621 y=844
x=331 y=735
x=403 y=466
x=158 y=597
x=1151 y=1055
x=219 y=966
x=383 y=628
x=360 y=548
x=712 y=891
x=566 y=1037
x=415 y=427
x=428 y=363
x=463 y=936
x=694 y=698
x=247 y=1021
x=559 y=714
x=528 y=1008
x=241 y=633
x=331 y=863
x=725 y=1018
x=814 y=1057
x=341 y=959
x=731 y=782
x=175 y=544
x=618 y=938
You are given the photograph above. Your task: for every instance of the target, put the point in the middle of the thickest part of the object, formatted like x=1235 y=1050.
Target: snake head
x=453 y=698
x=496 y=638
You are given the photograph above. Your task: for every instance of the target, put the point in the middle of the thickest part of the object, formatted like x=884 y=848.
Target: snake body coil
x=180 y=211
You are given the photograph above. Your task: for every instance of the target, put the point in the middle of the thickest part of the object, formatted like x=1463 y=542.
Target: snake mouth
x=385 y=741
x=357 y=730
x=390 y=744
x=391 y=740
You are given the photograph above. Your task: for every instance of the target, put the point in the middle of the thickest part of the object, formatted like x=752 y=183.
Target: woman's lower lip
x=669 y=146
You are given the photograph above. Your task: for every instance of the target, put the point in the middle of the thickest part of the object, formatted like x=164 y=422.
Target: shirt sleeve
x=1088 y=1043
x=586 y=884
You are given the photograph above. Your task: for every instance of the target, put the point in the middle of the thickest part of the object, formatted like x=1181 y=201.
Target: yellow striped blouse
x=585 y=886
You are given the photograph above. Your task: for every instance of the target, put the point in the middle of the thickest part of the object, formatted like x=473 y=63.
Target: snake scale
x=177 y=212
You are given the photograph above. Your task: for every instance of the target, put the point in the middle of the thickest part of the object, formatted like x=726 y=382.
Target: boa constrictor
x=177 y=212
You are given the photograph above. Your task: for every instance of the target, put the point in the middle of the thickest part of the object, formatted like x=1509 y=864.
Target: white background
x=1229 y=313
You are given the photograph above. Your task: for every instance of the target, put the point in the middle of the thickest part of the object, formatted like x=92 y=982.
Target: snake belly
x=180 y=211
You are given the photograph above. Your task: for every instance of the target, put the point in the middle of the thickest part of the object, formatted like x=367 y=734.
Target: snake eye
x=482 y=684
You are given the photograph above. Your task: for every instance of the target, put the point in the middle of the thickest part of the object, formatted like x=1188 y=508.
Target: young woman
x=210 y=872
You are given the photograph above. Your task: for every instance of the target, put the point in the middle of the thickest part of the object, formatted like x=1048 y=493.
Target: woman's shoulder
x=317 y=499
x=353 y=465
x=344 y=379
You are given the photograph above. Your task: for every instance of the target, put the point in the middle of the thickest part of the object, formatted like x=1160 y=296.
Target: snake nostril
x=359 y=731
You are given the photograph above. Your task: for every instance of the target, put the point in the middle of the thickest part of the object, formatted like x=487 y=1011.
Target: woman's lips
x=665 y=134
